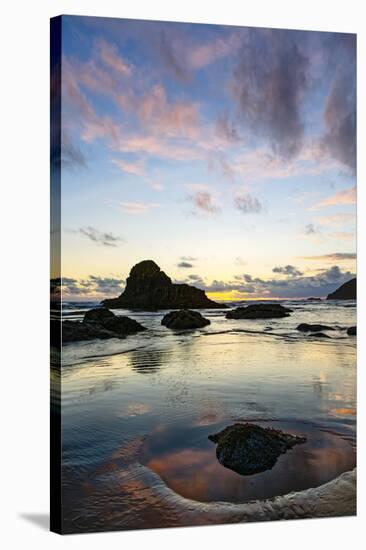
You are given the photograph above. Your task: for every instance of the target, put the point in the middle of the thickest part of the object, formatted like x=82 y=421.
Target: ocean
x=137 y=413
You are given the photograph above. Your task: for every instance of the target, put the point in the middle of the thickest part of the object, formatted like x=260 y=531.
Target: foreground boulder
x=249 y=449
x=259 y=311
x=352 y=331
x=306 y=327
x=184 y=319
x=345 y=292
x=99 y=323
x=149 y=288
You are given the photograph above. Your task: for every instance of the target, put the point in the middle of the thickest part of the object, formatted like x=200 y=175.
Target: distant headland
x=347 y=291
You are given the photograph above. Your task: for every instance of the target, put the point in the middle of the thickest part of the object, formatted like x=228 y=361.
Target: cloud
x=138 y=207
x=185 y=265
x=239 y=261
x=71 y=154
x=226 y=129
x=203 y=55
x=93 y=286
x=290 y=286
x=110 y=56
x=346 y=196
x=289 y=270
x=170 y=119
x=98 y=237
x=248 y=204
x=157 y=185
x=310 y=229
x=340 y=219
x=340 y=115
x=136 y=168
x=171 y=57
x=203 y=202
x=162 y=128
x=334 y=257
x=188 y=258
x=342 y=235
x=270 y=80
x=182 y=57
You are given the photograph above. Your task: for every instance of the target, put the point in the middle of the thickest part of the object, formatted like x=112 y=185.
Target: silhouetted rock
x=149 y=288
x=352 y=331
x=99 y=323
x=249 y=449
x=345 y=292
x=184 y=319
x=259 y=311
x=305 y=327
x=312 y=299
x=100 y=315
x=319 y=335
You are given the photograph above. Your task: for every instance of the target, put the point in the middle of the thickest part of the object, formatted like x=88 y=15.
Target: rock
x=345 y=292
x=305 y=327
x=149 y=288
x=352 y=331
x=312 y=299
x=259 y=311
x=99 y=323
x=249 y=449
x=184 y=319
x=319 y=335
x=100 y=315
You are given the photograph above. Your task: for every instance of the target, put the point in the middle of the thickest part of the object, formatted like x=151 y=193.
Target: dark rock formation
x=352 y=331
x=184 y=319
x=259 y=311
x=345 y=292
x=149 y=288
x=312 y=299
x=99 y=323
x=305 y=327
x=319 y=335
x=249 y=449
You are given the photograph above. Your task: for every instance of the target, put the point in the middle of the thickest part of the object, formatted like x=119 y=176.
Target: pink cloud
x=337 y=219
x=110 y=57
x=137 y=168
x=346 y=196
x=173 y=119
x=203 y=201
x=205 y=54
x=138 y=207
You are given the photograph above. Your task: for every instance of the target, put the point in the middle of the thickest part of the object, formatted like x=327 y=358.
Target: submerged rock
x=249 y=449
x=259 y=311
x=99 y=323
x=347 y=291
x=149 y=288
x=352 y=331
x=184 y=319
x=306 y=327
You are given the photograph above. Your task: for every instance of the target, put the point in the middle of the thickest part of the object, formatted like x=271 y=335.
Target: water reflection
x=146 y=361
x=194 y=472
x=170 y=392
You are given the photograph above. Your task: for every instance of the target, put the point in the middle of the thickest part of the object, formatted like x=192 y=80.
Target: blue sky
x=225 y=154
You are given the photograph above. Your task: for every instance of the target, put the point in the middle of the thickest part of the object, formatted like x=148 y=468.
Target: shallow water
x=136 y=413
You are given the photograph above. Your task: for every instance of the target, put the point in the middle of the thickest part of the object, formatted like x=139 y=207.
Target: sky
x=225 y=154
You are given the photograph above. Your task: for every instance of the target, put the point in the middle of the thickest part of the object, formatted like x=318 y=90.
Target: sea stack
x=149 y=288
x=345 y=292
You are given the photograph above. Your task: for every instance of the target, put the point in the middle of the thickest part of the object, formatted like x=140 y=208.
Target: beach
x=137 y=412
